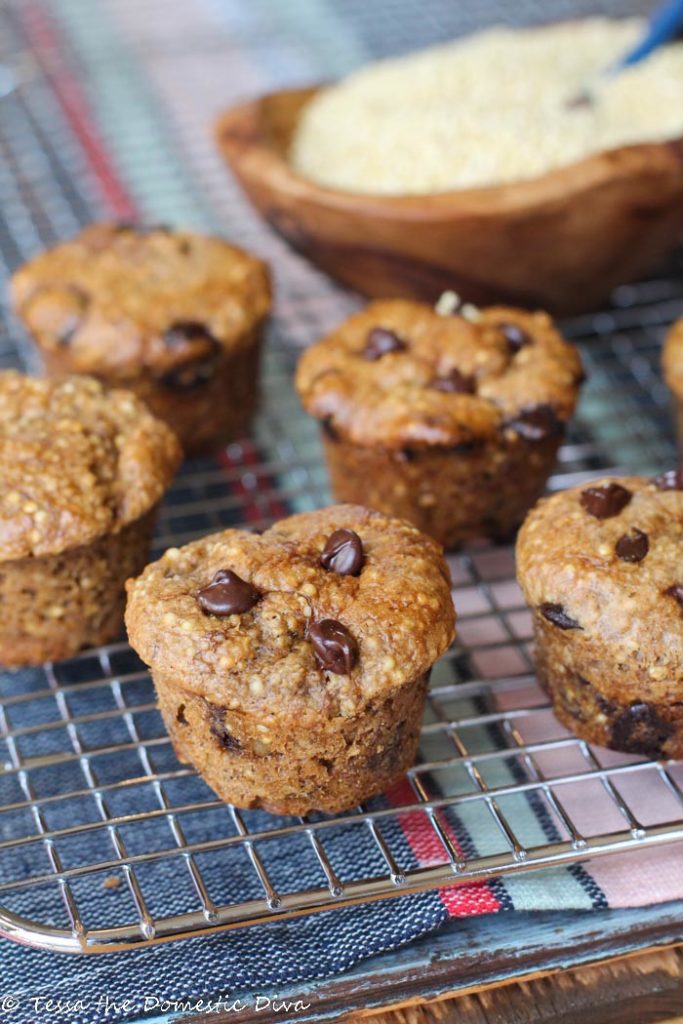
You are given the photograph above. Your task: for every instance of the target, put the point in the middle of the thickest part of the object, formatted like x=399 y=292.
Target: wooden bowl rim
x=242 y=135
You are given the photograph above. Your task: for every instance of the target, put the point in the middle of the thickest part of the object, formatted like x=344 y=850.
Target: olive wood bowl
x=561 y=242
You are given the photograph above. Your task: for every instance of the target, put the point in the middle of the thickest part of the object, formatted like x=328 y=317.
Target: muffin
x=450 y=421
x=291 y=667
x=174 y=316
x=601 y=568
x=82 y=470
x=672 y=365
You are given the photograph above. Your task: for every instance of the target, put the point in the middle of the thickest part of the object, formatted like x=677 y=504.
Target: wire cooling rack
x=100 y=826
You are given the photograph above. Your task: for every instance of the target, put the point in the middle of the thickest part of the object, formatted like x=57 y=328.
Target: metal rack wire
x=97 y=816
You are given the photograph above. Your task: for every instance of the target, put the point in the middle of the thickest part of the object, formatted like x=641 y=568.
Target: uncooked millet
x=465 y=114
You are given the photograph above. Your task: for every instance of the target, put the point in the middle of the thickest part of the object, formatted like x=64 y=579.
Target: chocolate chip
x=605 y=501
x=515 y=336
x=675 y=591
x=141 y=229
x=329 y=429
x=633 y=546
x=218 y=729
x=467 y=447
x=556 y=614
x=180 y=715
x=198 y=363
x=334 y=647
x=188 y=376
x=343 y=553
x=182 y=332
x=74 y=316
x=227 y=594
x=455 y=383
x=380 y=342
x=672 y=480
x=641 y=730
x=406 y=455
x=65 y=305
x=537 y=423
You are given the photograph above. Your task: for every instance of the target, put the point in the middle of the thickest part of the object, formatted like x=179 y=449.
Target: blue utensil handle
x=665 y=22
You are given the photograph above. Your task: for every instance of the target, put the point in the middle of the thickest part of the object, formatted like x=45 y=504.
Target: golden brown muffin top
x=604 y=560
x=399 y=373
x=388 y=590
x=76 y=461
x=672 y=358
x=121 y=298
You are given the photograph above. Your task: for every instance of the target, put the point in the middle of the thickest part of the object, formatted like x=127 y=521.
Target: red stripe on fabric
x=459 y=900
x=44 y=40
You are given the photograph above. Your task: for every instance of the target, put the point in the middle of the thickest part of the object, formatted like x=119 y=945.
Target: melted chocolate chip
x=515 y=336
x=218 y=729
x=672 y=480
x=556 y=614
x=387 y=760
x=605 y=501
x=227 y=594
x=633 y=546
x=640 y=730
x=455 y=383
x=180 y=715
x=198 y=363
x=343 y=553
x=604 y=705
x=334 y=647
x=675 y=591
x=537 y=423
x=380 y=342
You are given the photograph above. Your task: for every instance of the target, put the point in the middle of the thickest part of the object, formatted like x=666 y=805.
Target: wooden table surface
x=640 y=989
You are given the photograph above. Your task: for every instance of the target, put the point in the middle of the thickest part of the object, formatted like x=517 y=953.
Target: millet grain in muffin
x=291 y=667
x=600 y=567
x=172 y=315
x=449 y=419
x=82 y=470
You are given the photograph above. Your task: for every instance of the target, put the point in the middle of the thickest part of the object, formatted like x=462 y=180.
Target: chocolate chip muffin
x=672 y=365
x=174 y=316
x=451 y=421
x=291 y=667
x=602 y=568
x=82 y=470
